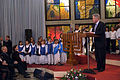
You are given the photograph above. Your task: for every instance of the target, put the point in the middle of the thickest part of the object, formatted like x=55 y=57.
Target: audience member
x=21 y=66
x=118 y=35
x=7 y=65
x=8 y=44
x=107 y=35
x=113 y=40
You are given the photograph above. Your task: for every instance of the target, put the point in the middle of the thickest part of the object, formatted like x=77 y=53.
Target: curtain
x=18 y=15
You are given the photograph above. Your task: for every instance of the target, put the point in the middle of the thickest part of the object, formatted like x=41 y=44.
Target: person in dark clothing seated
x=2 y=43
x=6 y=65
x=21 y=66
x=3 y=70
x=8 y=44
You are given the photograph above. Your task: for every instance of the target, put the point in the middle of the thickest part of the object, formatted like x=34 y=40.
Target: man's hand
x=92 y=32
x=0 y=60
x=4 y=63
x=15 y=62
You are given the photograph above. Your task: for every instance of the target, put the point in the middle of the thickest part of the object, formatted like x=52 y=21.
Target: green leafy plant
x=74 y=75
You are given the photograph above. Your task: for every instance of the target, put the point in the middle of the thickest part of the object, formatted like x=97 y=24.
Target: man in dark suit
x=21 y=66
x=8 y=44
x=6 y=64
x=100 y=52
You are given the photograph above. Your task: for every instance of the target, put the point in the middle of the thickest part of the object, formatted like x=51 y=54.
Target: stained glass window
x=55 y=31
x=85 y=8
x=57 y=9
x=84 y=27
x=112 y=8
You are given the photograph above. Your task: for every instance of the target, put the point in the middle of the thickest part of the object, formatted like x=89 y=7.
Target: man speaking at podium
x=100 y=52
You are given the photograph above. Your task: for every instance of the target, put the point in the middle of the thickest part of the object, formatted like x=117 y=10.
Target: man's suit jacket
x=6 y=57
x=8 y=44
x=100 y=31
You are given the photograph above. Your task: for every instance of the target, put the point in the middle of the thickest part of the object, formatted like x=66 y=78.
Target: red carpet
x=113 y=56
x=111 y=72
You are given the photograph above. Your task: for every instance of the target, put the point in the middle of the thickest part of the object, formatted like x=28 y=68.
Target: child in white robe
x=113 y=40
x=33 y=53
x=37 y=59
x=56 y=53
x=43 y=53
x=27 y=50
x=63 y=54
x=50 y=51
x=20 y=50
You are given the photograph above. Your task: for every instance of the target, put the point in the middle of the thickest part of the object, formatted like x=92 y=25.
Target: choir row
x=43 y=53
x=111 y=37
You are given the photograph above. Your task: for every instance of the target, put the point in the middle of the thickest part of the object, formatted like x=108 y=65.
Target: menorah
x=72 y=42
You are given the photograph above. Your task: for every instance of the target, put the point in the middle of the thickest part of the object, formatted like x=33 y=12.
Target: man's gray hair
x=3 y=47
x=96 y=16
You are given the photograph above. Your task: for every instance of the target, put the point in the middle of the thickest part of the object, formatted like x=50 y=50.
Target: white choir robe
x=50 y=56
x=63 y=55
x=37 y=59
x=32 y=57
x=43 y=58
x=56 y=56
x=27 y=57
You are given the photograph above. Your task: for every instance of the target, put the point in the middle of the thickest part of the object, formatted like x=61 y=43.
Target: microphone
x=85 y=28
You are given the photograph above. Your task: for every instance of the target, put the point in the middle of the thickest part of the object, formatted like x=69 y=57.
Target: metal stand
x=87 y=51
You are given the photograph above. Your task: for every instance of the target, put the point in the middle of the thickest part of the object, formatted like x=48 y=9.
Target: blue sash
x=42 y=50
x=33 y=50
x=50 y=48
x=61 y=49
x=20 y=49
x=56 y=49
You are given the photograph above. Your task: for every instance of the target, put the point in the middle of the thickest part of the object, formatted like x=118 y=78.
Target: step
x=109 y=61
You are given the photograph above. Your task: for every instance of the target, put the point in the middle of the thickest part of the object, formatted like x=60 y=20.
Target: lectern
x=72 y=41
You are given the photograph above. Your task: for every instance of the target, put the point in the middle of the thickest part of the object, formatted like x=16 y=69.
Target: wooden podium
x=72 y=41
